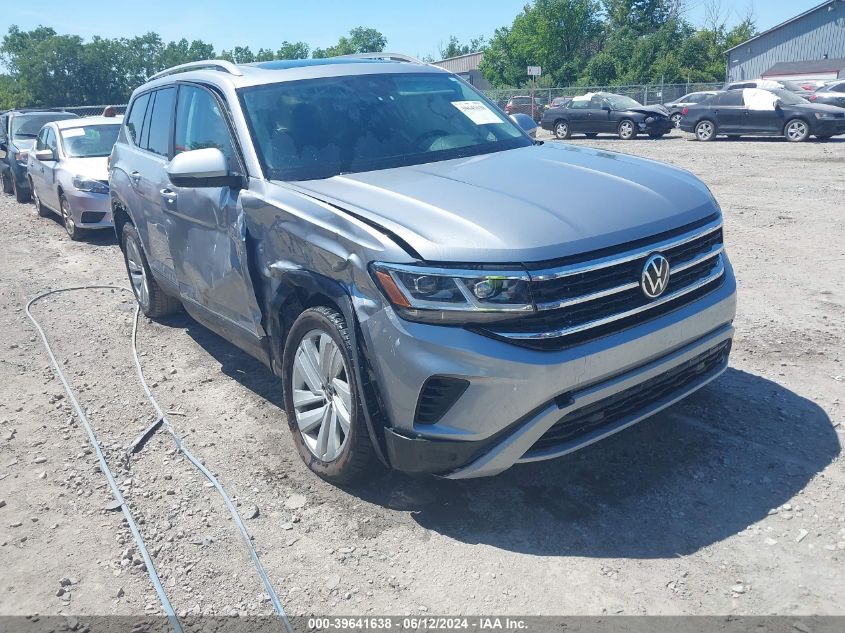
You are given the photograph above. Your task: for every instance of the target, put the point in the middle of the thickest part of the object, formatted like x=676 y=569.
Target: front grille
x=92 y=217
x=632 y=401
x=582 y=300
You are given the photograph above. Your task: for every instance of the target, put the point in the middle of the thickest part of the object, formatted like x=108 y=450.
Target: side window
x=135 y=121
x=839 y=88
x=596 y=103
x=41 y=141
x=732 y=98
x=158 y=137
x=200 y=123
x=579 y=104
x=51 y=139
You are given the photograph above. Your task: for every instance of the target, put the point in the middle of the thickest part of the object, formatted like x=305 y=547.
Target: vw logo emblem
x=655 y=276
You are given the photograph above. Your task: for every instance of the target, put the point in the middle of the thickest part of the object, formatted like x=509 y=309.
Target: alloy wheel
x=676 y=119
x=796 y=131
x=561 y=130
x=626 y=129
x=67 y=218
x=322 y=398
x=704 y=131
x=137 y=272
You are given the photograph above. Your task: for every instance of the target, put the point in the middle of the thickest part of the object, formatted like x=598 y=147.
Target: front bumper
x=90 y=210
x=829 y=127
x=516 y=394
x=660 y=126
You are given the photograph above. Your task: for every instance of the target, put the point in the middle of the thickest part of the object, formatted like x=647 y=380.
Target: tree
x=293 y=50
x=454 y=48
x=239 y=55
x=360 y=40
x=559 y=35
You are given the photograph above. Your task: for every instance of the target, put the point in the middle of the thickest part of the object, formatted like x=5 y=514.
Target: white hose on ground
x=165 y=602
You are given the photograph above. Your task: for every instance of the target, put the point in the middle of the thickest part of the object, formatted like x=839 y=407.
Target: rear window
x=135 y=120
x=158 y=140
x=90 y=140
x=26 y=126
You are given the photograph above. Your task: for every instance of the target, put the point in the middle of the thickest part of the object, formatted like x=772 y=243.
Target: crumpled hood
x=529 y=204
x=655 y=109
x=95 y=168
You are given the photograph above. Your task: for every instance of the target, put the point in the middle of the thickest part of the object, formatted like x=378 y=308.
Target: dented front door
x=205 y=227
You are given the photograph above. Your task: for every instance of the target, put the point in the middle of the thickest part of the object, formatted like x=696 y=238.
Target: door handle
x=168 y=195
x=135 y=177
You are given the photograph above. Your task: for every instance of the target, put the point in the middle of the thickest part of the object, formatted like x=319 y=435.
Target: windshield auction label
x=477 y=112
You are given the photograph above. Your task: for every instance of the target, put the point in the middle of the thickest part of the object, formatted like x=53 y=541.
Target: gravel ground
x=730 y=502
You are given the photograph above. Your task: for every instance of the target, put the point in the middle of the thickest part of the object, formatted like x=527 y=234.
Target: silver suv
x=437 y=291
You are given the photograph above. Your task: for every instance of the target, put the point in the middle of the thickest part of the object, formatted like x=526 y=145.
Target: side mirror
x=202 y=168
x=778 y=105
x=45 y=155
x=606 y=106
x=528 y=125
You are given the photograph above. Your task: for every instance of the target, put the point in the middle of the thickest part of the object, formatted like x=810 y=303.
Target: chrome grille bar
x=564 y=303
x=548 y=274
x=700 y=283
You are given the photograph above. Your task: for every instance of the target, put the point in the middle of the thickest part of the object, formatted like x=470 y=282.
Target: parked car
x=558 y=102
x=675 y=107
x=346 y=221
x=18 y=129
x=523 y=105
x=756 y=112
x=830 y=94
x=68 y=172
x=770 y=84
x=603 y=112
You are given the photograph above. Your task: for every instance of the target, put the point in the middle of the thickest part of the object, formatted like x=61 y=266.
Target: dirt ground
x=732 y=502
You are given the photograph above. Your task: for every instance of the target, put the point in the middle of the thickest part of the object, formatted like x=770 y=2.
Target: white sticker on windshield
x=477 y=112
x=74 y=131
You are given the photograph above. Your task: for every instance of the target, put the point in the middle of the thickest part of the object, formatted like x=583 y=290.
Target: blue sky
x=411 y=26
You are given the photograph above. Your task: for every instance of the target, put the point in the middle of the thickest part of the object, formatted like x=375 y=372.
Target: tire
x=705 y=130
x=73 y=231
x=5 y=177
x=627 y=130
x=561 y=130
x=676 y=119
x=591 y=134
x=346 y=455
x=796 y=130
x=152 y=299
x=40 y=209
x=21 y=196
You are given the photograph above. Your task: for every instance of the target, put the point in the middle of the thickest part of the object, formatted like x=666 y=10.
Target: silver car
x=436 y=290
x=68 y=172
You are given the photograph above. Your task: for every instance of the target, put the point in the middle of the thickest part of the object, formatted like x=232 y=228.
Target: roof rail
x=208 y=64
x=393 y=57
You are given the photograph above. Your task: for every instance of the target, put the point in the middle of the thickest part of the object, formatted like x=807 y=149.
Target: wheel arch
x=298 y=290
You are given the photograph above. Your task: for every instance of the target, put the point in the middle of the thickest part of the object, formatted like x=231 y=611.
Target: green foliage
x=454 y=48
x=360 y=40
x=47 y=69
x=610 y=42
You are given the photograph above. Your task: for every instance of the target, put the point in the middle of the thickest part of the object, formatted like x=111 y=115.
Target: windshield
x=90 y=140
x=28 y=125
x=620 y=102
x=318 y=128
x=789 y=98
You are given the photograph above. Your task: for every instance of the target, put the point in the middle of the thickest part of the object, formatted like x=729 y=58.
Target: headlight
x=22 y=157
x=649 y=119
x=824 y=115
x=92 y=186
x=444 y=295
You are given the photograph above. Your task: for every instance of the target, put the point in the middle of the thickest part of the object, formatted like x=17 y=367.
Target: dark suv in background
x=18 y=131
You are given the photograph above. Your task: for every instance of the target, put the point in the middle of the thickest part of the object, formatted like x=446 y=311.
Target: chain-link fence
x=96 y=110
x=647 y=94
